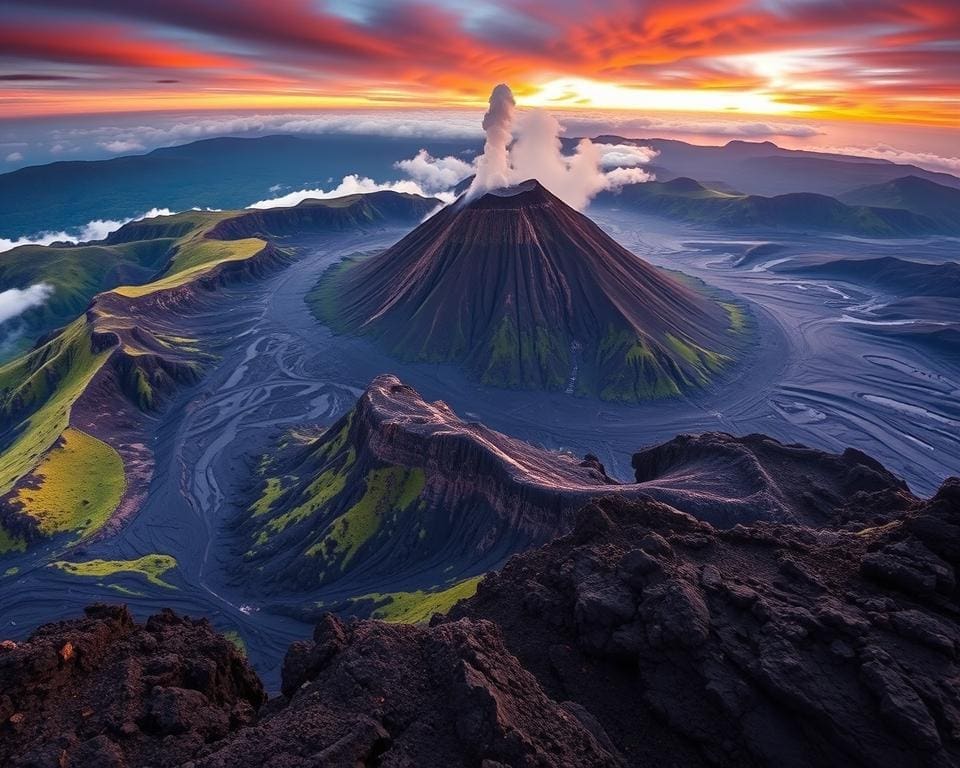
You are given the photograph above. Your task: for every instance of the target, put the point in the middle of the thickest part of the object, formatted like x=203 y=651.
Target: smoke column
x=537 y=154
x=493 y=167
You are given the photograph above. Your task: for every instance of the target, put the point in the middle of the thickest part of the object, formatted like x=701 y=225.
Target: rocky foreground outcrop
x=105 y=692
x=760 y=645
x=642 y=637
x=102 y=692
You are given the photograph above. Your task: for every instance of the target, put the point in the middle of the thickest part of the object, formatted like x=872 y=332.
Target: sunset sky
x=887 y=62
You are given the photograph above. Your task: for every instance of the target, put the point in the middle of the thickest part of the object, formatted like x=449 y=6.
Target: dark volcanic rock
x=104 y=691
x=761 y=645
x=527 y=293
x=643 y=637
x=367 y=693
x=726 y=479
x=431 y=485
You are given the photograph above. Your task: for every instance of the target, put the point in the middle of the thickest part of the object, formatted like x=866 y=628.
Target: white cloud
x=435 y=174
x=926 y=160
x=130 y=138
x=118 y=146
x=618 y=178
x=15 y=157
x=624 y=155
x=16 y=301
x=98 y=229
x=350 y=185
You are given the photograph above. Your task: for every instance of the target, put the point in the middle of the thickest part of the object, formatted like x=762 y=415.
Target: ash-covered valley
x=817 y=373
x=528 y=450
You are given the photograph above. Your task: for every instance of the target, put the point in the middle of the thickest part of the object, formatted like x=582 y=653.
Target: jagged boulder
x=368 y=693
x=105 y=691
x=759 y=645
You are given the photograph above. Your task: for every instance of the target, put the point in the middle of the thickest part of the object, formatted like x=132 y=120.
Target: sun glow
x=582 y=93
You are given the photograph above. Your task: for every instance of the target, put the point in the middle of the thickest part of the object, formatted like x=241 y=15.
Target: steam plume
x=536 y=153
x=493 y=167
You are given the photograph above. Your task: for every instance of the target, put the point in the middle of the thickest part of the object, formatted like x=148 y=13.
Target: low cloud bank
x=927 y=160
x=121 y=146
x=651 y=127
x=350 y=185
x=435 y=174
x=16 y=301
x=98 y=229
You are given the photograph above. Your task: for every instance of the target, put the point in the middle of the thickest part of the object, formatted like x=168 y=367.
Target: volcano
x=525 y=292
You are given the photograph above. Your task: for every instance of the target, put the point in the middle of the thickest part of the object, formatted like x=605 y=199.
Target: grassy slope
x=194 y=258
x=76 y=275
x=38 y=390
x=324 y=509
x=44 y=383
x=687 y=200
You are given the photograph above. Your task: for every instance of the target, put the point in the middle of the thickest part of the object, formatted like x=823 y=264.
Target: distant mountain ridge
x=763 y=168
x=685 y=199
x=222 y=173
x=912 y=193
x=231 y=172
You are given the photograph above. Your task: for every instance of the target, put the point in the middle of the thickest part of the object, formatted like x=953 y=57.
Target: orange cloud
x=882 y=59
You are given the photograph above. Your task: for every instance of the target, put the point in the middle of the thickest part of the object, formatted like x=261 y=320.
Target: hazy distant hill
x=763 y=168
x=217 y=173
x=912 y=193
x=687 y=200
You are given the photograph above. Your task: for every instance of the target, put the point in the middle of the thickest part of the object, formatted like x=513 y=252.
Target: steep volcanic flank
x=528 y=293
x=401 y=487
x=403 y=493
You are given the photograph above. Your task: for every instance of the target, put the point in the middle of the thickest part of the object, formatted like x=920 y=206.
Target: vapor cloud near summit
x=529 y=148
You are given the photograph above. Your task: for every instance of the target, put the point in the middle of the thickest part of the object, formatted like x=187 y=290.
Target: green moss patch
x=417 y=607
x=10 y=543
x=75 y=487
x=738 y=321
x=234 y=637
x=151 y=567
x=387 y=490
